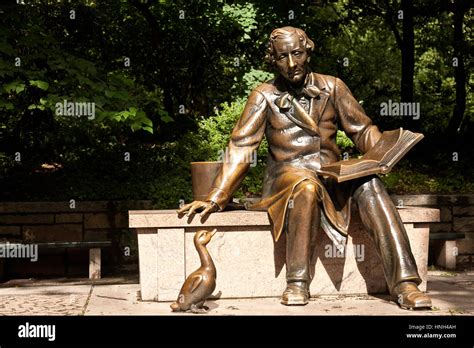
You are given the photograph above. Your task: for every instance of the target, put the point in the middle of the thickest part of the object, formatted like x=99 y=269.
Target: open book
x=391 y=147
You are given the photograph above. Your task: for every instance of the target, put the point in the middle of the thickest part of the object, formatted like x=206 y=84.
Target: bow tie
x=298 y=115
x=284 y=101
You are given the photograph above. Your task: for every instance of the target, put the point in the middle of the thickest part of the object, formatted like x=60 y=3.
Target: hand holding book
x=391 y=148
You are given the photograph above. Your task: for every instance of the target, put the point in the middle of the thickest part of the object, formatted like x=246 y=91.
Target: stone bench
x=93 y=247
x=95 y=259
x=445 y=248
x=249 y=264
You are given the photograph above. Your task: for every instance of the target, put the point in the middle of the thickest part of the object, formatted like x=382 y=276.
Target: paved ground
x=452 y=294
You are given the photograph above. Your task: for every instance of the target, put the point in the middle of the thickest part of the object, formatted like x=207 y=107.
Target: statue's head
x=289 y=50
x=203 y=237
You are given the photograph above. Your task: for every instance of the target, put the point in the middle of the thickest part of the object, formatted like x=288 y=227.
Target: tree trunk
x=454 y=126
x=408 y=52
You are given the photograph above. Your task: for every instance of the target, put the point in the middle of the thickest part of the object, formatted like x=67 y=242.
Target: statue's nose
x=291 y=62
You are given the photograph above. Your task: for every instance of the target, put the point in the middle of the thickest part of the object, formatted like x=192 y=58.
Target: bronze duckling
x=200 y=284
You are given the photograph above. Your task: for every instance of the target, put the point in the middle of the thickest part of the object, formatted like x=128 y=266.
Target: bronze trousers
x=379 y=217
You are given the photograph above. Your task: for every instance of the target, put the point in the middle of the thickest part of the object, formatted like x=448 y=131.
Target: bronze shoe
x=408 y=296
x=296 y=294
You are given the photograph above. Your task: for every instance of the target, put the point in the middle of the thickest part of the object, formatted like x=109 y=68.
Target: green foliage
x=245 y=15
x=40 y=84
x=208 y=60
x=14 y=87
x=49 y=70
x=343 y=141
x=154 y=173
x=212 y=138
x=253 y=78
x=436 y=86
x=216 y=130
x=408 y=178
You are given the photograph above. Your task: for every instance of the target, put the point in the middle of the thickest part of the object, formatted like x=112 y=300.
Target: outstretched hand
x=204 y=207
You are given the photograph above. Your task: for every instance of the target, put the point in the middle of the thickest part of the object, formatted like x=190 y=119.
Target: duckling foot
x=199 y=310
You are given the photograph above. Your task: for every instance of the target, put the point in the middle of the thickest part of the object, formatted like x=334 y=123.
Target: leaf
x=132 y=111
x=166 y=119
x=147 y=122
x=136 y=126
x=148 y=129
x=109 y=93
x=40 y=84
x=118 y=116
x=16 y=86
x=6 y=105
x=7 y=48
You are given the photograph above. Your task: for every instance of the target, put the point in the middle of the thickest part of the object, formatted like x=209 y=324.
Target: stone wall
x=36 y=222
x=457 y=216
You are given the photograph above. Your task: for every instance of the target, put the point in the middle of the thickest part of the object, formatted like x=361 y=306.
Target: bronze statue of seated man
x=299 y=112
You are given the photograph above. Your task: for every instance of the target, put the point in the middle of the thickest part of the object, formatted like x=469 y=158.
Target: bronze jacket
x=295 y=153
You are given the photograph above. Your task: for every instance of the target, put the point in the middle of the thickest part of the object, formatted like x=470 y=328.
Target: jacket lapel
x=318 y=104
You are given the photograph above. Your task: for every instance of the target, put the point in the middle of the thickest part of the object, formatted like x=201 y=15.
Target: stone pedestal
x=94 y=263
x=447 y=254
x=250 y=264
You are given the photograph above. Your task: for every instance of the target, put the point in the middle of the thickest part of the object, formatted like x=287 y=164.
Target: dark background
x=169 y=79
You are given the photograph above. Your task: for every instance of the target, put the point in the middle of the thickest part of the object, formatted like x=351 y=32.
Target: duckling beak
x=214 y=231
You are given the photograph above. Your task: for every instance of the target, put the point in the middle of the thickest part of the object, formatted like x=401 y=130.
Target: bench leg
x=447 y=256
x=94 y=263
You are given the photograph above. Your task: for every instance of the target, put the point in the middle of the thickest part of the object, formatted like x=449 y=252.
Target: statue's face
x=291 y=58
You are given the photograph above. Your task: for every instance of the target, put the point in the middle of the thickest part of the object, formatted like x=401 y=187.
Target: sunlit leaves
x=14 y=87
x=40 y=84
